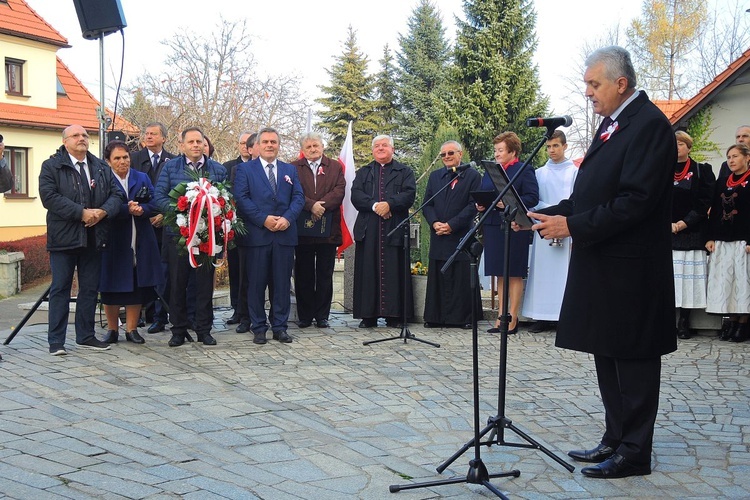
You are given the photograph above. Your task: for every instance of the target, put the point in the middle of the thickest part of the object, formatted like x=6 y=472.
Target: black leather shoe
x=728 y=333
x=176 y=340
x=467 y=326
x=282 y=337
x=614 y=467
x=304 y=324
x=141 y=323
x=393 y=323
x=243 y=327
x=428 y=324
x=323 y=323
x=111 y=337
x=207 y=339
x=156 y=327
x=259 y=338
x=596 y=455
x=368 y=323
x=233 y=319
x=134 y=337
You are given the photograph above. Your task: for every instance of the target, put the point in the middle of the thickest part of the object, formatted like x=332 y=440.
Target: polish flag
x=348 y=212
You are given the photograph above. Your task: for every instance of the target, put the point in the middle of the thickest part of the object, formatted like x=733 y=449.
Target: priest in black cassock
x=449 y=215
x=382 y=192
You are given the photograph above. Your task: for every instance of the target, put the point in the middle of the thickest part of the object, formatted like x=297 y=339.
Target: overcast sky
x=300 y=37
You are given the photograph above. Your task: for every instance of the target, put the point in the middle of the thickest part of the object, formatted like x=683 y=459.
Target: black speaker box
x=115 y=135
x=99 y=17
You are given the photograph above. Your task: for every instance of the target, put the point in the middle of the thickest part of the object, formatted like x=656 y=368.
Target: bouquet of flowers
x=205 y=215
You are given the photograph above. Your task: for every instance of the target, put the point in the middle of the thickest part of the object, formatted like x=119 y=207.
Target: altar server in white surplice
x=548 y=261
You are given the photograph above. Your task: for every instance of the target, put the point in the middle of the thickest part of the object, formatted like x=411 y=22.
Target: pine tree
x=495 y=85
x=422 y=61
x=350 y=97
x=386 y=89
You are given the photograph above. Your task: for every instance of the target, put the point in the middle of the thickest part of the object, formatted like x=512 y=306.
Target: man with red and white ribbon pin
x=269 y=199
x=619 y=298
x=174 y=172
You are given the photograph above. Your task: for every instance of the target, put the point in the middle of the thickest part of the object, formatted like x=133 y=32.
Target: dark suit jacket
x=400 y=192
x=256 y=201
x=454 y=206
x=328 y=186
x=141 y=161
x=619 y=298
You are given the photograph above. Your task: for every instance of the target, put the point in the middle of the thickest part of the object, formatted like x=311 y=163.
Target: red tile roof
x=77 y=106
x=670 y=107
x=18 y=19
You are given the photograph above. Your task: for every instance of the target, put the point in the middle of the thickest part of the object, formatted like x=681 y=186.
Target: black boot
x=683 y=326
x=731 y=331
x=742 y=333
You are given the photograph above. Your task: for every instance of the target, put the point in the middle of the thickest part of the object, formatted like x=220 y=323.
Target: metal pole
x=100 y=110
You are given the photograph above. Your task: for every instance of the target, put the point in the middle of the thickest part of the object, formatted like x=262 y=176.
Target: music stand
x=478 y=473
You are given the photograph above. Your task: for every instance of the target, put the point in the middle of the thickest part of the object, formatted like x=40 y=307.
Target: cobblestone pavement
x=328 y=418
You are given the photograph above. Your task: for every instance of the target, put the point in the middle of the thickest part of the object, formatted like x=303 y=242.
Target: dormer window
x=14 y=76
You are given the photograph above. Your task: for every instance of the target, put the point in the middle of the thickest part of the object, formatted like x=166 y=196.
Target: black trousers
x=313 y=281
x=630 y=394
x=235 y=276
x=203 y=288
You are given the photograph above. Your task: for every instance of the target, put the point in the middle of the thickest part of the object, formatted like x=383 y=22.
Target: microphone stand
x=405 y=333
x=478 y=473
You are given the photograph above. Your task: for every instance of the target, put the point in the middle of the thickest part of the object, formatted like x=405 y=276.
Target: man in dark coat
x=150 y=160
x=382 y=192
x=80 y=196
x=619 y=299
x=236 y=267
x=323 y=183
x=448 y=300
x=173 y=173
x=269 y=200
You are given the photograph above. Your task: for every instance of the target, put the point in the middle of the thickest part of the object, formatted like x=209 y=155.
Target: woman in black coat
x=691 y=197
x=507 y=150
x=131 y=264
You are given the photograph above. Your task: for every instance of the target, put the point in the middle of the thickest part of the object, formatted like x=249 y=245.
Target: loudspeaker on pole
x=99 y=17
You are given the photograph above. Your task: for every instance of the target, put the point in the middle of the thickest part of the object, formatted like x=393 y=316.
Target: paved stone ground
x=328 y=418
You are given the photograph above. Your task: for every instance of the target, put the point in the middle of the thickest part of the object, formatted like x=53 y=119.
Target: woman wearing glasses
x=507 y=150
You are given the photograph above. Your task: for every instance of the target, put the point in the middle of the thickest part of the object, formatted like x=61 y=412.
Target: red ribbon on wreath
x=203 y=200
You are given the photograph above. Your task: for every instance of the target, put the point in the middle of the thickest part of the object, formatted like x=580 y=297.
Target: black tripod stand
x=45 y=298
x=405 y=333
x=477 y=473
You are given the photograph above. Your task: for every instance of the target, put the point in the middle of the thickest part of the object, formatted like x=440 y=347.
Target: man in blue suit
x=269 y=199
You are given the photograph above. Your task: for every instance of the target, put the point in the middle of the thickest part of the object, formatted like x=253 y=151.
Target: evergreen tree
x=495 y=85
x=387 y=90
x=350 y=97
x=422 y=63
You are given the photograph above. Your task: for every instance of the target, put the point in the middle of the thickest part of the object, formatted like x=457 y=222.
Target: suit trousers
x=313 y=280
x=181 y=291
x=233 y=260
x=630 y=394
x=63 y=265
x=271 y=267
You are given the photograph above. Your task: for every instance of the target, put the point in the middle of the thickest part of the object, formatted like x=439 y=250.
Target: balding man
x=79 y=193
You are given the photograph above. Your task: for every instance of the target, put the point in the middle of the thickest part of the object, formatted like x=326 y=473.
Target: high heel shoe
x=496 y=328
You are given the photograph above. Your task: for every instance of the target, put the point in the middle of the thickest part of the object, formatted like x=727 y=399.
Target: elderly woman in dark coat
x=132 y=241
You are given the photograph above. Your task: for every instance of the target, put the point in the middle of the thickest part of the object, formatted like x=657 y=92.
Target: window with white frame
x=17 y=159
x=14 y=76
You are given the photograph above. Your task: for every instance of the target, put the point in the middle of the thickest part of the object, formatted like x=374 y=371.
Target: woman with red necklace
x=507 y=150
x=728 y=237
x=693 y=188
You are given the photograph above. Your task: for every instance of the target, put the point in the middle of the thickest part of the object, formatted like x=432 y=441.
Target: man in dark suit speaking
x=619 y=298
x=269 y=198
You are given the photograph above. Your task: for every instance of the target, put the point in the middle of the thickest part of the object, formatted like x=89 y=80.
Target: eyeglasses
x=76 y=136
x=448 y=153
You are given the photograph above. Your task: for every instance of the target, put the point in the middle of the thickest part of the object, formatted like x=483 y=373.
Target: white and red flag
x=348 y=212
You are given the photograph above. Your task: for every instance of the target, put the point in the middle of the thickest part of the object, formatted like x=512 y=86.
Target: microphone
x=464 y=166
x=551 y=122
